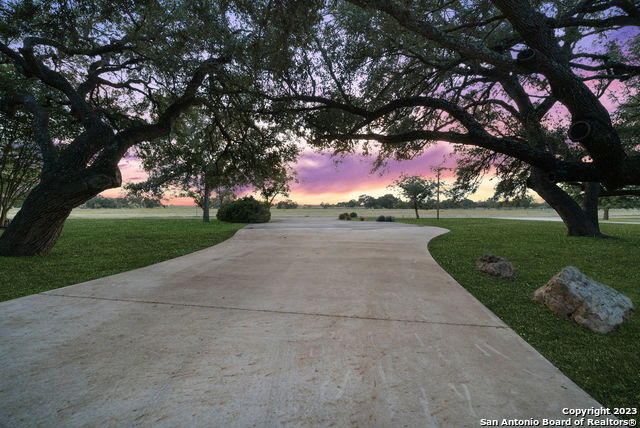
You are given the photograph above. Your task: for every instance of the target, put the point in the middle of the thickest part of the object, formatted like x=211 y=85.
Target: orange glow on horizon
x=321 y=180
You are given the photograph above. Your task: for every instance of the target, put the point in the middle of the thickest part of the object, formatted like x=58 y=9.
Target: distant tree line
x=126 y=202
x=390 y=201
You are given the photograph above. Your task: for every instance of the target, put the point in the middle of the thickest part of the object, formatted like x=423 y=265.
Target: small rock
x=496 y=266
x=587 y=302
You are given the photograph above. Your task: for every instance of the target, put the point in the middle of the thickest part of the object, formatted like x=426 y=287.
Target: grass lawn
x=90 y=249
x=606 y=366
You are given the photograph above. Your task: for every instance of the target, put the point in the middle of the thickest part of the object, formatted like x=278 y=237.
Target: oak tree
x=215 y=148
x=123 y=72
x=396 y=77
x=416 y=189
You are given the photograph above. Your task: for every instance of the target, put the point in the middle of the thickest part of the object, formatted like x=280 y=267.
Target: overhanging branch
x=40 y=124
x=467 y=48
x=161 y=127
x=557 y=169
x=545 y=56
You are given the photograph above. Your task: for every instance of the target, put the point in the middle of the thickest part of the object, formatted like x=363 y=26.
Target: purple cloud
x=319 y=173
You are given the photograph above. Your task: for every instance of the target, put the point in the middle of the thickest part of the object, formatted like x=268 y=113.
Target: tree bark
x=36 y=227
x=590 y=202
x=205 y=202
x=3 y=215
x=415 y=207
x=577 y=221
x=606 y=213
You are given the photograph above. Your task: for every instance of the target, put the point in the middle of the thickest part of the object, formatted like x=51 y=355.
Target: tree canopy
x=123 y=73
x=491 y=77
x=374 y=75
x=483 y=74
x=19 y=163
x=416 y=189
x=216 y=148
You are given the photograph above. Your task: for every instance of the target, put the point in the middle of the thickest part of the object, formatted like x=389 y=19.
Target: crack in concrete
x=232 y=308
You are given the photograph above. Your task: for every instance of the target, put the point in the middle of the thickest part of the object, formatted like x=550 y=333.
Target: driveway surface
x=299 y=322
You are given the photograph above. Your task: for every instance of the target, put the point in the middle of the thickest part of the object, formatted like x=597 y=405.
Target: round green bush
x=245 y=210
x=342 y=216
x=353 y=215
x=380 y=218
x=389 y=218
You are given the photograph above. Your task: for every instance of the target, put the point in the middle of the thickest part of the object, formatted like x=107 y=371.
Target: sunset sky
x=324 y=180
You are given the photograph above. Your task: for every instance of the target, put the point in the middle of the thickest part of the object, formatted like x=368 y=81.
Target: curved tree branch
x=33 y=67
x=162 y=126
x=610 y=22
x=468 y=48
x=547 y=58
x=116 y=46
x=40 y=125
x=561 y=170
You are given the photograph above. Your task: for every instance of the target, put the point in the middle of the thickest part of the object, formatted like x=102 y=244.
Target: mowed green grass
x=90 y=249
x=606 y=366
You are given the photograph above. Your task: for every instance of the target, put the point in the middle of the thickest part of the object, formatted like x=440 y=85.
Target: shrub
x=353 y=215
x=245 y=210
x=380 y=218
x=286 y=205
x=348 y=218
x=389 y=218
x=342 y=216
x=361 y=218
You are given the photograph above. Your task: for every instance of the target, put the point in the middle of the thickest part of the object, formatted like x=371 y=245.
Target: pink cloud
x=319 y=173
x=326 y=178
x=131 y=169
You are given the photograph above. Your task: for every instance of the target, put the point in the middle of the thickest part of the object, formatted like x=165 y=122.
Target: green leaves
x=415 y=188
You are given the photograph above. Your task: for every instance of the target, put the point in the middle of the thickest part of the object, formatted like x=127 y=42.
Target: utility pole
x=438 y=193
x=438 y=170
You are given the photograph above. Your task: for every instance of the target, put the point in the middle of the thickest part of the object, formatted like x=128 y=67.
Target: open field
x=90 y=249
x=606 y=366
x=175 y=211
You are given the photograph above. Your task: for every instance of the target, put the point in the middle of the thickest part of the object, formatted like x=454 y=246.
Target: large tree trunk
x=205 y=203
x=4 y=211
x=36 y=227
x=590 y=202
x=577 y=221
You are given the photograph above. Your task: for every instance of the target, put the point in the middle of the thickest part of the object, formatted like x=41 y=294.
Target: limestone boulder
x=592 y=305
x=496 y=266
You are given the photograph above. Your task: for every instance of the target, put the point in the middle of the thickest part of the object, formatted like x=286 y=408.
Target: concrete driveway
x=300 y=322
